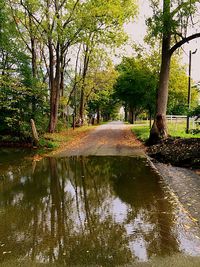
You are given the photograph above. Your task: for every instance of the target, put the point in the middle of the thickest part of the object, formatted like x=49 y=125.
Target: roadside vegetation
x=58 y=69
x=175 y=130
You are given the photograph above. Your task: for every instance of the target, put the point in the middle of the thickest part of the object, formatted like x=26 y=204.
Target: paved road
x=186 y=186
x=114 y=138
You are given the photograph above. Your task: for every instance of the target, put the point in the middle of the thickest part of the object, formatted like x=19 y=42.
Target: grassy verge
x=142 y=132
x=57 y=140
x=175 y=129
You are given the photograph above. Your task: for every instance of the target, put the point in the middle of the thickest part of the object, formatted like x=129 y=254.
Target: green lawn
x=175 y=129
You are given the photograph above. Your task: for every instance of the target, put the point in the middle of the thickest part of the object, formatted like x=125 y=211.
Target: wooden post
x=34 y=132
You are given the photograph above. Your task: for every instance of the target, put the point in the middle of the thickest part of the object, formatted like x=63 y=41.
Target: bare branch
x=183 y=41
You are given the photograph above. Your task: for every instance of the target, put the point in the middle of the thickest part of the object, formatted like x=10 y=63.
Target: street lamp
x=189 y=89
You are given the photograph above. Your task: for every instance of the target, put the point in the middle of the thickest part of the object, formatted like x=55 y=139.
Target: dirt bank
x=180 y=152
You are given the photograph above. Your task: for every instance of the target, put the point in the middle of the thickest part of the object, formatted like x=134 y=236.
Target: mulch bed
x=177 y=151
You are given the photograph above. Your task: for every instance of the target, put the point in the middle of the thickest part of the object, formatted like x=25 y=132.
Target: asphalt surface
x=112 y=139
x=185 y=184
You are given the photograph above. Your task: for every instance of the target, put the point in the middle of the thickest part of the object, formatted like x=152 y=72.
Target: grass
x=175 y=129
x=142 y=132
x=56 y=140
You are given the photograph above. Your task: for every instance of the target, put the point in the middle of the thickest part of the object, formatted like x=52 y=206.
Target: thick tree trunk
x=54 y=104
x=159 y=128
x=131 y=116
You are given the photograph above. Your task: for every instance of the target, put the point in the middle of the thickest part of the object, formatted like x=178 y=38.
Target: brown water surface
x=89 y=211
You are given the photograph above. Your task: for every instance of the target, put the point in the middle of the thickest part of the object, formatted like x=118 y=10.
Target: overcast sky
x=137 y=32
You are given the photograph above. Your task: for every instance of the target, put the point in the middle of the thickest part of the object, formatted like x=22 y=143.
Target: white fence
x=181 y=119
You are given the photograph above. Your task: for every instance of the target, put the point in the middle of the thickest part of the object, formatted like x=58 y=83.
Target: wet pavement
x=185 y=184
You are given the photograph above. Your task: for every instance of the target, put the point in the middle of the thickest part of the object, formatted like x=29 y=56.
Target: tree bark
x=54 y=86
x=98 y=115
x=159 y=128
x=125 y=112
x=34 y=72
x=34 y=132
x=131 y=116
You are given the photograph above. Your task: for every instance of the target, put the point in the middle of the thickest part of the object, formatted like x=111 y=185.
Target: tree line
x=55 y=63
x=54 y=54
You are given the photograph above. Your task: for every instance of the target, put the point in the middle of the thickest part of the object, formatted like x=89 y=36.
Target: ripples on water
x=89 y=211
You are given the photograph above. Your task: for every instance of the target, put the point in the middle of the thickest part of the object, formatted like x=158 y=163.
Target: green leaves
x=174 y=19
x=136 y=84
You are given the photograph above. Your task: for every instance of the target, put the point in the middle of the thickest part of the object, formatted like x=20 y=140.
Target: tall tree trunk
x=34 y=72
x=159 y=128
x=131 y=116
x=33 y=60
x=125 y=112
x=54 y=87
x=82 y=99
x=87 y=52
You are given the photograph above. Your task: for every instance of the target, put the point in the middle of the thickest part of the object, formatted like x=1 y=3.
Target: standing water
x=88 y=211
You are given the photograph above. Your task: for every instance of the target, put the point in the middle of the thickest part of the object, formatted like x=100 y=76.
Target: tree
x=106 y=30
x=136 y=85
x=52 y=27
x=101 y=81
x=171 y=25
x=18 y=86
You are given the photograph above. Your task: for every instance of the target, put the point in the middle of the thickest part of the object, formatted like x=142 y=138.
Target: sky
x=137 y=31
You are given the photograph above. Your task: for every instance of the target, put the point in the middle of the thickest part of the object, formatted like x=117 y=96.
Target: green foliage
x=174 y=20
x=48 y=143
x=101 y=97
x=178 y=88
x=195 y=111
x=22 y=97
x=137 y=83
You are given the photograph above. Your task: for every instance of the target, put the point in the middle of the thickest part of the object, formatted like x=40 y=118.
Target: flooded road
x=89 y=211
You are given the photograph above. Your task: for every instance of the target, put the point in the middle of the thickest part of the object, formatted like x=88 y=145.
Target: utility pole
x=189 y=90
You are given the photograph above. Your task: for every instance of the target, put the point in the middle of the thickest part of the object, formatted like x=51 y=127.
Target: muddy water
x=89 y=211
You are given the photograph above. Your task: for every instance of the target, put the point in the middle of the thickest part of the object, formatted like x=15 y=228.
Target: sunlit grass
x=55 y=140
x=176 y=129
x=142 y=132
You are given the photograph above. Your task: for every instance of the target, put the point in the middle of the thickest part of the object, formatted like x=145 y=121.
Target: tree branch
x=183 y=41
x=184 y=4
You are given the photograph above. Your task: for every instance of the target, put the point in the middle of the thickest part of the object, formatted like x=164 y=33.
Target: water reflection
x=89 y=210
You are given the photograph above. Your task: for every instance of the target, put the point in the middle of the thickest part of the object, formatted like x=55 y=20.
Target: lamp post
x=189 y=89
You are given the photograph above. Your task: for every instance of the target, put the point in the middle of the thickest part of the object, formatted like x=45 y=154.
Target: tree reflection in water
x=86 y=211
